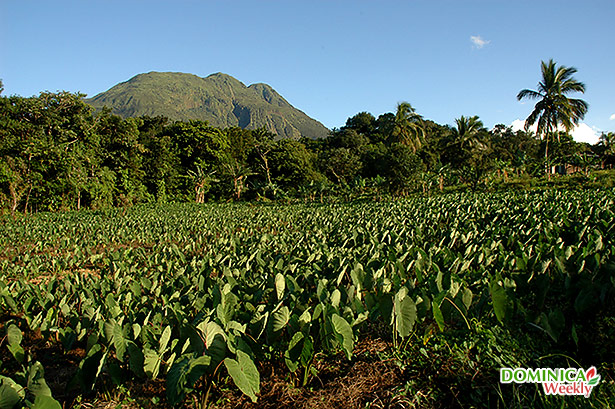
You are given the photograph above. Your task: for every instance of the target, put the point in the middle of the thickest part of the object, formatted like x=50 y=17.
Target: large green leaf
x=10 y=392
x=45 y=402
x=280 y=318
x=225 y=310
x=293 y=352
x=136 y=359
x=91 y=367
x=280 y=285
x=500 y=300
x=586 y=299
x=184 y=374
x=405 y=315
x=151 y=363
x=215 y=342
x=36 y=384
x=164 y=339
x=554 y=323
x=343 y=333
x=112 y=306
x=14 y=338
x=437 y=312
x=336 y=297
x=300 y=352
x=114 y=333
x=466 y=298
x=244 y=374
x=14 y=335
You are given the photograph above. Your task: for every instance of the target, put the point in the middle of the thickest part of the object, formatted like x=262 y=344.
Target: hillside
x=220 y=99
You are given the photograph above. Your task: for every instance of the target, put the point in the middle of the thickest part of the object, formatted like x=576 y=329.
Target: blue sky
x=330 y=59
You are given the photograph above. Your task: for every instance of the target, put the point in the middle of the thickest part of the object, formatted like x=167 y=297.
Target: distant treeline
x=56 y=153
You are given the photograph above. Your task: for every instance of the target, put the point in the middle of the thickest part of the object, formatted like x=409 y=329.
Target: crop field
x=403 y=304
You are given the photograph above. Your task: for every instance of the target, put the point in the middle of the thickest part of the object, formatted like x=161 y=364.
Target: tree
x=123 y=155
x=363 y=122
x=554 y=108
x=263 y=145
x=22 y=144
x=469 y=150
x=465 y=135
x=160 y=162
x=346 y=138
x=234 y=160
x=342 y=163
x=606 y=149
x=47 y=150
x=403 y=168
x=292 y=165
x=518 y=148
x=408 y=127
x=196 y=145
x=202 y=183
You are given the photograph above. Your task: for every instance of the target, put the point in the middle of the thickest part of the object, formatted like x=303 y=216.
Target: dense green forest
x=58 y=153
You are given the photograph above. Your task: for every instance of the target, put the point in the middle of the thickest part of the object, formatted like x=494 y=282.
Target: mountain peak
x=219 y=98
x=225 y=78
x=157 y=75
x=269 y=94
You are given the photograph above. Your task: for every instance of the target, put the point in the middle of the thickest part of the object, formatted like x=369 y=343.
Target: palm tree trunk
x=547 y=156
x=547 y=167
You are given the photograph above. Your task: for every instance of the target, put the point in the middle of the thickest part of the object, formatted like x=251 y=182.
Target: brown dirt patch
x=343 y=384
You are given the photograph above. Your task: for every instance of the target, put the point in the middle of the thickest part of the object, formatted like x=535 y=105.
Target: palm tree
x=607 y=147
x=554 y=108
x=465 y=135
x=470 y=150
x=408 y=126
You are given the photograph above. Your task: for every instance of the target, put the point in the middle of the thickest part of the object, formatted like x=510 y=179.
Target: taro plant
x=27 y=386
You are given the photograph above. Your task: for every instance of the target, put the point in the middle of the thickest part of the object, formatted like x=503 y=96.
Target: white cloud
x=518 y=124
x=478 y=41
x=585 y=133
x=612 y=117
x=581 y=133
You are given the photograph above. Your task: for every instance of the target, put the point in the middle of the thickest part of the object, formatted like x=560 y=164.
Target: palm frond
x=564 y=74
x=529 y=94
x=571 y=85
x=554 y=108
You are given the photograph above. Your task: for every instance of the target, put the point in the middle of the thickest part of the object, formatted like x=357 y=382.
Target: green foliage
x=244 y=374
x=554 y=108
x=56 y=154
x=176 y=292
x=408 y=127
x=27 y=386
x=404 y=313
x=14 y=338
x=184 y=374
x=343 y=333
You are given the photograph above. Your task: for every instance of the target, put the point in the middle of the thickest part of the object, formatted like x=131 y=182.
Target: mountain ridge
x=219 y=98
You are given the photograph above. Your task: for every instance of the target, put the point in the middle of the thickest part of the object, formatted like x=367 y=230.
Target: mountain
x=220 y=99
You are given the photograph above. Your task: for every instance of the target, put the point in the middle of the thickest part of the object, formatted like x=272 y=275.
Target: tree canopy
x=57 y=153
x=554 y=108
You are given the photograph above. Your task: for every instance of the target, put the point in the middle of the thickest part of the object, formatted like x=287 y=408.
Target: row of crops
x=187 y=293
